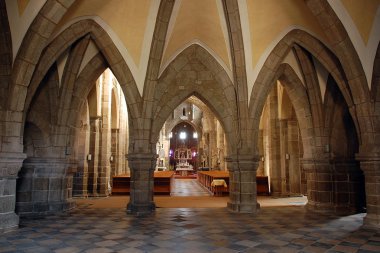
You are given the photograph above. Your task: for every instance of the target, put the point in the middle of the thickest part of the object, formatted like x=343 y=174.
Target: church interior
x=189 y=126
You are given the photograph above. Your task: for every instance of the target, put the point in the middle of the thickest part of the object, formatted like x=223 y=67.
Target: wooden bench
x=207 y=177
x=163 y=181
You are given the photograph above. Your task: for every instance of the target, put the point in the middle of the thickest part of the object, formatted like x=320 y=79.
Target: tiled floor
x=285 y=229
x=188 y=187
x=291 y=228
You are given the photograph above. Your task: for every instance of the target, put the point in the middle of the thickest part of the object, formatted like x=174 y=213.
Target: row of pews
x=213 y=181
x=162 y=184
x=217 y=182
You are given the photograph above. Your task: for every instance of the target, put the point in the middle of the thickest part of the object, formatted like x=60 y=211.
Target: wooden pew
x=163 y=181
x=206 y=178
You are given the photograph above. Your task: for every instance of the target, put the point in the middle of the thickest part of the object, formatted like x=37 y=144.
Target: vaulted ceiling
x=130 y=24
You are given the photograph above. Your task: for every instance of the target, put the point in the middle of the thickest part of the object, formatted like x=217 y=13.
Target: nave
x=188 y=187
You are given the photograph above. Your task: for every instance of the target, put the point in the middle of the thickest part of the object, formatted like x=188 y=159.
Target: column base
x=141 y=209
x=8 y=222
x=330 y=208
x=42 y=209
x=80 y=194
x=243 y=208
x=371 y=221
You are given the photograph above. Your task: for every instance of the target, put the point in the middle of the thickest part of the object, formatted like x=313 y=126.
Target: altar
x=183 y=168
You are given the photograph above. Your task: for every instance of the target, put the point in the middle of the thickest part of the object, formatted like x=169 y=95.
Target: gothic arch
x=335 y=107
x=85 y=82
x=41 y=114
x=301 y=104
x=157 y=49
x=112 y=56
x=211 y=85
x=343 y=48
x=268 y=74
x=362 y=113
x=178 y=121
x=31 y=48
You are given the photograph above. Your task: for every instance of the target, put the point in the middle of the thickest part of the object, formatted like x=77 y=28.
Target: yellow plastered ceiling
x=197 y=20
x=363 y=14
x=127 y=18
x=267 y=19
x=21 y=6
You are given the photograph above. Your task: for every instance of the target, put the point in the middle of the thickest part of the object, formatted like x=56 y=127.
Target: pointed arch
x=178 y=121
x=269 y=74
x=301 y=104
x=356 y=77
x=106 y=47
x=31 y=48
x=207 y=81
x=343 y=48
x=84 y=84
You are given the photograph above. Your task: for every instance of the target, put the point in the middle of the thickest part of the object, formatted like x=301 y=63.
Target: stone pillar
x=44 y=186
x=213 y=149
x=274 y=144
x=294 y=158
x=220 y=144
x=243 y=188
x=10 y=164
x=284 y=157
x=261 y=170
x=319 y=184
x=115 y=152
x=80 y=179
x=371 y=168
x=334 y=186
x=104 y=167
x=142 y=182
x=349 y=192
x=93 y=160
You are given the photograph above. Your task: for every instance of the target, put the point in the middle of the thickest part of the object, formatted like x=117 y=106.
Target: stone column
x=93 y=162
x=243 y=189
x=283 y=157
x=349 y=192
x=220 y=144
x=294 y=157
x=371 y=168
x=261 y=170
x=142 y=182
x=10 y=164
x=104 y=167
x=319 y=184
x=81 y=176
x=213 y=149
x=274 y=144
x=115 y=152
x=44 y=186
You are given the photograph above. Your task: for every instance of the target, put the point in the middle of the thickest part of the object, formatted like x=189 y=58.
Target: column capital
x=51 y=165
x=312 y=164
x=242 y=162
x=142 y=156
x=142 y=161
x=368 y=157
x=10 y=164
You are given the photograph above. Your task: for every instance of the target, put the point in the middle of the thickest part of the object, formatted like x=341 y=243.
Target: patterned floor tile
x=285 y=229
